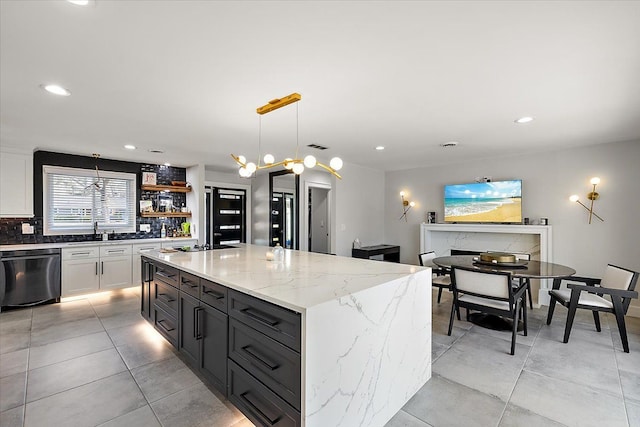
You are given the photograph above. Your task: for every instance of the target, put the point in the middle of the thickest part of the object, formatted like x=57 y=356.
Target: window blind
x=75 y=199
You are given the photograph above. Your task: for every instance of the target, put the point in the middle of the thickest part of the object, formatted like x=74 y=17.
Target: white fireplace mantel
x=532 y=239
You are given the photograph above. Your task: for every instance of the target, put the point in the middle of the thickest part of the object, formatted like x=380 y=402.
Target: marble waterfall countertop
x=302 y=281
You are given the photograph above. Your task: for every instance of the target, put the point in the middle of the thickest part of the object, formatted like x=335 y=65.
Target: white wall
x=548 y=180
x=359 y=203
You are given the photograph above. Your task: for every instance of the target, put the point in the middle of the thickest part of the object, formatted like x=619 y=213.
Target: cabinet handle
x=161 y=323
x=254 y=407
x=80 y=253
x=167 y=299
x=96 y=268
x=255 y=356
x=168 y=276
x=260 y=317
x=115 y=251
x=197 y=334
x=214 y=294
x=189 y=283
x=101 y=267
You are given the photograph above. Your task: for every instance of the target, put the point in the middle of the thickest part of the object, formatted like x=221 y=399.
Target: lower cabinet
x=247 y=348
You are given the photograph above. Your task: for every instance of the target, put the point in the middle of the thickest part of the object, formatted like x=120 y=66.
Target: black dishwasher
x=29 y=277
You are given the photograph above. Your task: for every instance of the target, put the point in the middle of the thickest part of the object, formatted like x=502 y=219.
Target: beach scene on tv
x=497 y=202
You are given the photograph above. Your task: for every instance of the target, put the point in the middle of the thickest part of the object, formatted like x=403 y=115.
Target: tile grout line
x=26 y=375
x=615 y=358
x=127 y=370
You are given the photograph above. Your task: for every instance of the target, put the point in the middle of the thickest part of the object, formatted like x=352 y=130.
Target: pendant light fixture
x=295 y=163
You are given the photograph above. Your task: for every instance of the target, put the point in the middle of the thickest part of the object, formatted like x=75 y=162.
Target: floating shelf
x=169 y=188
x=165 y=214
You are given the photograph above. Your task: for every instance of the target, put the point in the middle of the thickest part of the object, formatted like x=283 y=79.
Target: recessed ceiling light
x=167 y=164
x=525 y=119
x=130 y=147
x=449 y=144
x=379 y=148
x=56 y=89
x=79 y=2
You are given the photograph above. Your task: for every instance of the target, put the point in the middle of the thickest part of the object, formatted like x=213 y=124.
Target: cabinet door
x=115 y=272
x=80 y=276
x=213 y=358
x=189 y=328
x=16 y=182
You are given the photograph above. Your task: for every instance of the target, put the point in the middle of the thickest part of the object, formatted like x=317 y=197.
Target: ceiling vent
x=450 y=144
x=317 y=147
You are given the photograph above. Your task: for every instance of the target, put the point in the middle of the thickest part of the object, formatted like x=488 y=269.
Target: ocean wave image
x=483 y=202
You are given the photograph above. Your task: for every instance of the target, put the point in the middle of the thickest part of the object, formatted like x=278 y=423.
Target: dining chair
x=491 y=293
x=440 y=278
x=617 y=283
x=517 y=282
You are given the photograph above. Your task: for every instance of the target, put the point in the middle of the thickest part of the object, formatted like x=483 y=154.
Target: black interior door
x=229 y=216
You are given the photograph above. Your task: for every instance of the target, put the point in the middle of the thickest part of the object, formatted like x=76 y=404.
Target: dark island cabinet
x=247 y=348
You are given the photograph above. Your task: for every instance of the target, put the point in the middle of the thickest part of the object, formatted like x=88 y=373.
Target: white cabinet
x=115 y=266
x=16 y=183
x=138 y=250
x=88 y=269
x=80 y=270
x=180 y=243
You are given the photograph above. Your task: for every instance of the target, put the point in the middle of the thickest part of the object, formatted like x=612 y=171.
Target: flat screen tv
x=484 y=202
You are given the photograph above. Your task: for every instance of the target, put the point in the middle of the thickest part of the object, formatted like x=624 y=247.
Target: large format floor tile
x=568 y=403
x=404 y=419
x=87 y=405
x=515 y=416
x=165 y=377
x=12 y=391
x=65 y=330
x=483 y=363
x=141 y=417
x=71 y=348
x=441 y=402
x=12 y=417
x=194 y=407
x=72 y=373
x=14 y=362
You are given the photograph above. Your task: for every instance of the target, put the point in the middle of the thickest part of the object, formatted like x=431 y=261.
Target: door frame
x=304 y=238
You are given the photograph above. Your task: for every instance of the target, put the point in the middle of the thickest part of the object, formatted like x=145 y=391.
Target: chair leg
x=515 y=329
x=458 y=313
x=619 y=312
x=596 y=320
x=467 y=314
x=439 y=294
x=573 y=305
x=552 y=306
x=524 y=315
x=454 y=308
x=529 y=293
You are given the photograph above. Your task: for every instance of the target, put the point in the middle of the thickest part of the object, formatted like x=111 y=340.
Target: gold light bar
x=274 y=104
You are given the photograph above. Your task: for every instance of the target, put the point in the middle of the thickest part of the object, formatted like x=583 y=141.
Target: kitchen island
x=352 y=337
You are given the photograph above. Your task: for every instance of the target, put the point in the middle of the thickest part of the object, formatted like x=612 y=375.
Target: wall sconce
x=406 y=205
x=593 y=196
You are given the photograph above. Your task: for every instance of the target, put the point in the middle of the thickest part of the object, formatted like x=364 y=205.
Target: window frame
x=50 y=229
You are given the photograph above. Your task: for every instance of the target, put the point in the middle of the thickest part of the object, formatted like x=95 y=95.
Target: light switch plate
x=27 y=228
x=145 y=227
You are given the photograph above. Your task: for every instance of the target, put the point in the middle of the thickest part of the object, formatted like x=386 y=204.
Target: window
x=75 y=199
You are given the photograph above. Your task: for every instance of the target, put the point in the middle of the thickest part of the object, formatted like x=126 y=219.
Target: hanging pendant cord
x=297 y=133
x=259 y=139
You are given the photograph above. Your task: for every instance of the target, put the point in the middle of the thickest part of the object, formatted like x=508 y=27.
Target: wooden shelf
x=169 y=188
x=165 y=214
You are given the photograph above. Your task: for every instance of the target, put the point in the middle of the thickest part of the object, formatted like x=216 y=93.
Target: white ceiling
x=186 y=77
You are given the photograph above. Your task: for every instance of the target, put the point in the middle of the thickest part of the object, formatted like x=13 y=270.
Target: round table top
x=533 y=269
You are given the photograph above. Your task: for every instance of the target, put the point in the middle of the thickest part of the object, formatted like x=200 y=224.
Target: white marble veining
x=368 y=353
x=303 y=280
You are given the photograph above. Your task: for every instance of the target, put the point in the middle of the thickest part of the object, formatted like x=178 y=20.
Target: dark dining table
x=523 y=270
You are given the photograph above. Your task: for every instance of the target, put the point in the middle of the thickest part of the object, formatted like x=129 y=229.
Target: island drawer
x=279 y=323
x=257 y=402
x=190 y=284
x=166 y=274
x=214 y=294
x=276 y=365
x=166 y=325
x=166 y=297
